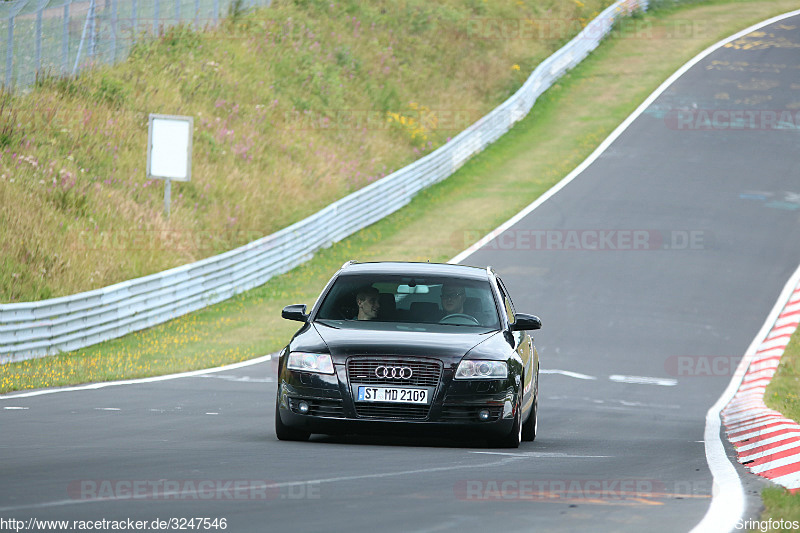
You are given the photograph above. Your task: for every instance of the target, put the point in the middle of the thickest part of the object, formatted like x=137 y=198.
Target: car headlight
x=310 y=362
x=471 y=369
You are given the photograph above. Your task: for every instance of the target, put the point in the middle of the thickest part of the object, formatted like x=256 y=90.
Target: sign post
x=169 y=151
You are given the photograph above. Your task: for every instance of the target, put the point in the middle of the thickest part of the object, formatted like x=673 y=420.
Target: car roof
x=419 y=269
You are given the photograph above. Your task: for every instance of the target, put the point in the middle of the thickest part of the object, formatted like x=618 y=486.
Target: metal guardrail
x=64 y=36
x=35 y=329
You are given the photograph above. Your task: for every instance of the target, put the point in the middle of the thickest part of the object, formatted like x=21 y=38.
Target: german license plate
x=392 y=394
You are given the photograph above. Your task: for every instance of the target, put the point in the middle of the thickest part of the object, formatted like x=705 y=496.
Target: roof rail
x=348 y=263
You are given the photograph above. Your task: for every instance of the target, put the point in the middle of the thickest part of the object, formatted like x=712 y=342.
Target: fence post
x=216 y=12
x=177 y=12
x=134 y=21
x=65 y=41
x=113 y=31
x=10 y=51
x=197 y=15
x=38 y=61
x=155 y=17
x=92 y=30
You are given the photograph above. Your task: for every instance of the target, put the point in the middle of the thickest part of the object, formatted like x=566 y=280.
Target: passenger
x=368 y=303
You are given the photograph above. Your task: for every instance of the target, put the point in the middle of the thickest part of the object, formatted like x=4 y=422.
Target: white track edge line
x=104 y=384
x=727 y=503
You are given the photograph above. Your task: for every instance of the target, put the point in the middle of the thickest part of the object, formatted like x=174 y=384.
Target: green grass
x=783 y=392
x=567 y=123
x=779 y=504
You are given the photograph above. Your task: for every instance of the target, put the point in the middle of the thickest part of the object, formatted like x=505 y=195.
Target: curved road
x=702 y=195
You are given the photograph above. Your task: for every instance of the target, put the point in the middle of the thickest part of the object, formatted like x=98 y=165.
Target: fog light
x=303 y=408
x=483 y=414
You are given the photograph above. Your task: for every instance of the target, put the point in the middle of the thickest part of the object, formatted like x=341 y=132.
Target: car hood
x=343 y=343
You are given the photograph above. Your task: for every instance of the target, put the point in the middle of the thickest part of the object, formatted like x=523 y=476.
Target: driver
x=368 y=303
x=453 y=297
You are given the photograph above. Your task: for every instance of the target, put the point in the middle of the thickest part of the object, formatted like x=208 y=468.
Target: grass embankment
x=294 y=106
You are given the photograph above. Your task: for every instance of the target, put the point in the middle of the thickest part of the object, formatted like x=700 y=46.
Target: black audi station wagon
x=393 y=347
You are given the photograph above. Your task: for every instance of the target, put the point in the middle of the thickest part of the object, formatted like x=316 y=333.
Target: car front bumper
x=455 y=406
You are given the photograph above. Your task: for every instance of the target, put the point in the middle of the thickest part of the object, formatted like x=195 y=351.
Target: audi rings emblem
x=395 y=372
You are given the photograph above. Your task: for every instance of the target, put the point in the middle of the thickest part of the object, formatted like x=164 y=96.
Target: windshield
x=400 y=300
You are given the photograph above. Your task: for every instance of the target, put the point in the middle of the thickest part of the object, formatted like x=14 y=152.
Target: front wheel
x=284 y=432
x=530 y=427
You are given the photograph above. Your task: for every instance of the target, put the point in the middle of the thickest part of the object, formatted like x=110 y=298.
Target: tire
x=284 y=432
x=531 y=426
x=514 y=437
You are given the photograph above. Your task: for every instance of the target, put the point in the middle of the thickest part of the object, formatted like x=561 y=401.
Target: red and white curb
x=766 y=442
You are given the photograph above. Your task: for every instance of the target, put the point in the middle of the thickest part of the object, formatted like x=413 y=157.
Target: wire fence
x=36 y=329
x=61 y=37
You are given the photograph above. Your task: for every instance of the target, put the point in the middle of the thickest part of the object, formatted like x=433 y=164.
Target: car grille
x=317 y=407
x=424 y=373
x=405 y=412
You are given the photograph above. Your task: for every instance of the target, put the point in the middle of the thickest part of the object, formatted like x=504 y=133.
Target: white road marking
x=14 y=408
x=566 y=373
x=239 y=379
x=154 y=379
x=643 y=380
x=107 y=409
x=212 y=413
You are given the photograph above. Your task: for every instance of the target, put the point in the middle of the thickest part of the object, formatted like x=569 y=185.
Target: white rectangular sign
x=169 y=147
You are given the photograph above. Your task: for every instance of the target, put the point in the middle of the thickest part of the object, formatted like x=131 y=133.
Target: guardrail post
x=156 y=7
x=177 y=12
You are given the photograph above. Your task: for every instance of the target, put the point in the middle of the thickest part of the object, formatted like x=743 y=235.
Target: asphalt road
x=707 y=231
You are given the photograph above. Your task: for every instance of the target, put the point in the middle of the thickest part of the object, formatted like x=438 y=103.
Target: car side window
x=509 y=306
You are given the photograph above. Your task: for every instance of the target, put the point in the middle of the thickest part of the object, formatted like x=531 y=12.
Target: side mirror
x=295 y=312
x=526 y=322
